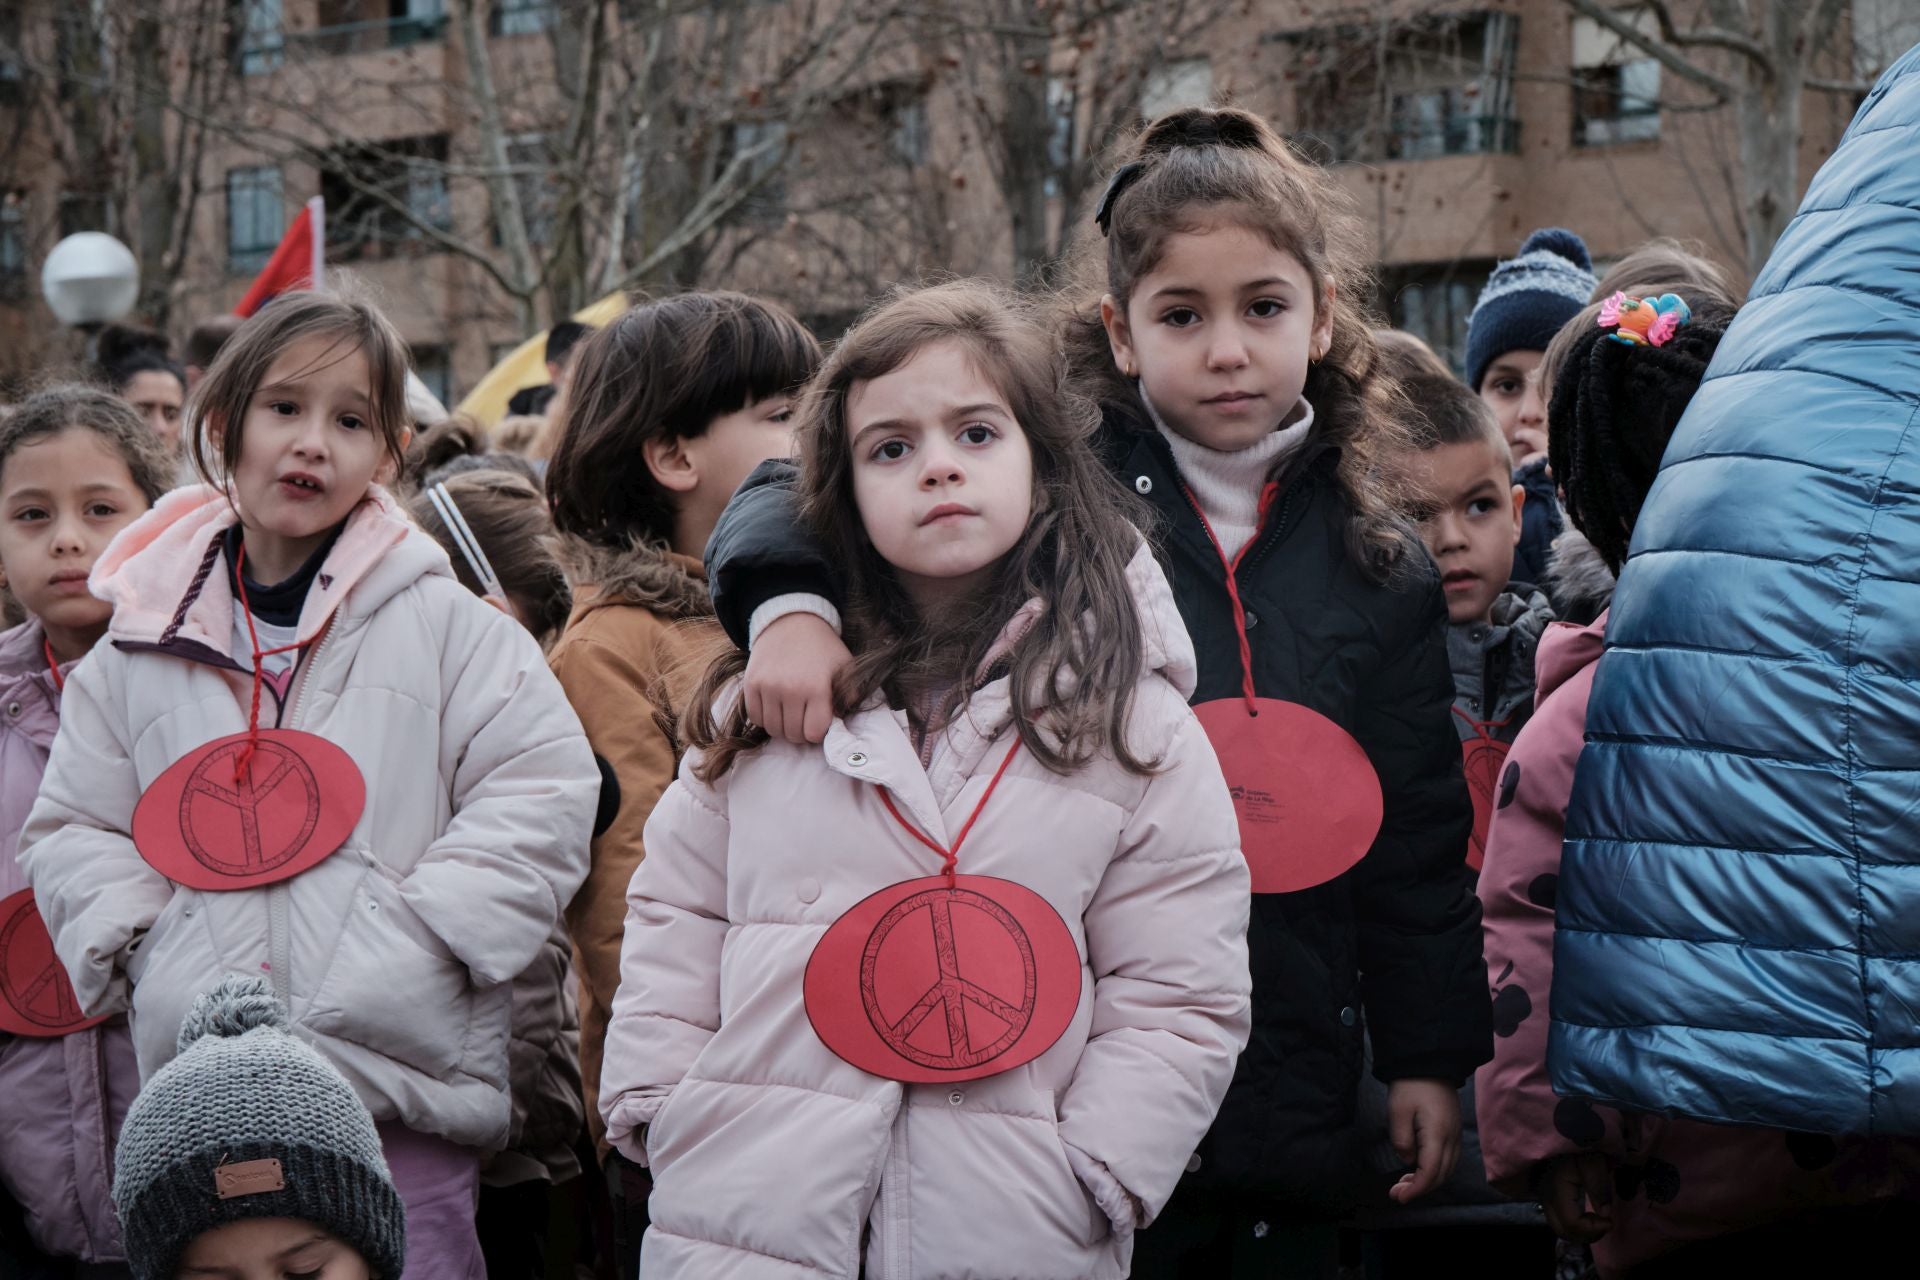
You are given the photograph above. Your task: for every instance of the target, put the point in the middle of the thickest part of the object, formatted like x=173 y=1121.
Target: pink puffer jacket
x=774 y=1158
x=1675 y=1181
x=61 y=1101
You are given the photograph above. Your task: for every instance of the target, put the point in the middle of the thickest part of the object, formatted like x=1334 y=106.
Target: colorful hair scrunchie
x=1644 y=322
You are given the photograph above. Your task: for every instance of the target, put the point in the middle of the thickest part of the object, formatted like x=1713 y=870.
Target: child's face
x=270 y=1249
x=1221 y=333
x=1510 y=388
x=1470 y=522
x=62 y=499
x=158 y=398
x=942 y=472
x=713 y=464
x=308 y=447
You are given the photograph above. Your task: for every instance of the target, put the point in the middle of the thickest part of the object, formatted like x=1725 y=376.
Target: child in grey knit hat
x=249 y=1155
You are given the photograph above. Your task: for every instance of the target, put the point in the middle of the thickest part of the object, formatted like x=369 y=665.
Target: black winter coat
x=1398 y=936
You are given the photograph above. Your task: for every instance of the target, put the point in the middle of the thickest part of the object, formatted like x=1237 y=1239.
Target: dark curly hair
x=1614 y=408
x=1199 y=164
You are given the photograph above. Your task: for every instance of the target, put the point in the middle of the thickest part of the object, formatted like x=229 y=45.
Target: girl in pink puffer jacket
x=957 y=992
x=76 y=465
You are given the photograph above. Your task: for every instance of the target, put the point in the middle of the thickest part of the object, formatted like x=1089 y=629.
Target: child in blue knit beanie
x=1525 y=302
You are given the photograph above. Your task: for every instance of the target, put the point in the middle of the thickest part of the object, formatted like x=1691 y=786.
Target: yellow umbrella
x=526 y=366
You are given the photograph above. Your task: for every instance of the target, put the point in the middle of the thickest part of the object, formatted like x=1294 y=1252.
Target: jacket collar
x=1565 y=650
x=159 y=572
x=24 y=678
x=644 y=575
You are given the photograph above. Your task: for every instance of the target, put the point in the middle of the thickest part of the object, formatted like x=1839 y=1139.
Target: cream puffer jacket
x=396 y=953
x=772 y=1157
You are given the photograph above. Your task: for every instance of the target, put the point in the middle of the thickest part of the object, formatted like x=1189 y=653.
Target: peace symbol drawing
x=223 y=818
x=941 y=979
x=36 y=997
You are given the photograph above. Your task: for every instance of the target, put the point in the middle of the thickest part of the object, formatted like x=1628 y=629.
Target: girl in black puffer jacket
x=1235 y=371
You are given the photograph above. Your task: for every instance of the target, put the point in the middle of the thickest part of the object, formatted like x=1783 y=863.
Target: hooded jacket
x=64 y=1097
x=636 y=644
x=394 y=955
x=1739 y=905
x=1397 y=936
x=1676 y=1181
x=773 y=1157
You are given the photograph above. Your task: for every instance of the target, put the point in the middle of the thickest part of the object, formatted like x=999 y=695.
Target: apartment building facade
x=1457 y=128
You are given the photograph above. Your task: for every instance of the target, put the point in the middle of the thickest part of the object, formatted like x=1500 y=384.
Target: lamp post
x=89 y=279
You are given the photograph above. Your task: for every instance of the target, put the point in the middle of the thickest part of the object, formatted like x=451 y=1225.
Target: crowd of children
x=1064 y=787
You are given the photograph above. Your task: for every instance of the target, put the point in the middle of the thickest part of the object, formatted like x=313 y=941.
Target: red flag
x=298 y=262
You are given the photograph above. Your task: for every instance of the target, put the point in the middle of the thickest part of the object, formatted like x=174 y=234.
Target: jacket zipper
x=280 y=893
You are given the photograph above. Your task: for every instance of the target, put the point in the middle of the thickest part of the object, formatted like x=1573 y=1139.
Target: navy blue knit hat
x=1528 y=298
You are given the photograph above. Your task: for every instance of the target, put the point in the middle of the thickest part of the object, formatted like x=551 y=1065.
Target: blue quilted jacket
x=1739 y=900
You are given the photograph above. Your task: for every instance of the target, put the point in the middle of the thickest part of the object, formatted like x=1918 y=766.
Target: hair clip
x=1644 y=322
x=463 y=538
x=1123 y=178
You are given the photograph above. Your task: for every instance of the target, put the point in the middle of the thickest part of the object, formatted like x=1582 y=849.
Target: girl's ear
x=389 y=469
x=1113 y=318
x=672 y=466
x=1322 y=340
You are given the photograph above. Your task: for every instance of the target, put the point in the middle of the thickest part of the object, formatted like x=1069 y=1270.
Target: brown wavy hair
x=1074 y=671
x=1200 y=166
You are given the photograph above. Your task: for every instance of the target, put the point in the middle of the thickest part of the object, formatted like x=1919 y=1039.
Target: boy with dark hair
x=1470 y=510
x=561 y=341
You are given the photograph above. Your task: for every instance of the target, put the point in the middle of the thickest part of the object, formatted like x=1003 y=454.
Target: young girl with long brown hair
x=1222 y=331
x=956 y=991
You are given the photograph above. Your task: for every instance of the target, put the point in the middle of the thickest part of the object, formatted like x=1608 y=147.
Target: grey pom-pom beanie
x=248 y=1122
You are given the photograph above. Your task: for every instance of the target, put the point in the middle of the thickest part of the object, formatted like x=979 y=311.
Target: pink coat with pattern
x=61 y=1101
x=1675 y=1181
x=774 y=1158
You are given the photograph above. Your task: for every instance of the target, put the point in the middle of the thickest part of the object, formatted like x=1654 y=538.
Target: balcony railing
x=368 y=37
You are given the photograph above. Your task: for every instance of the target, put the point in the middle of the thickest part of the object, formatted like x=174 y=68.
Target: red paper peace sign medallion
x=931 y=980
x=1307 y=797
x=36 y=999
x=1484 y=758
x=209 y=823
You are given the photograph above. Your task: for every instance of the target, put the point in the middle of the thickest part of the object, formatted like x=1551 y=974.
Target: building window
x=13 y=242
x=434 y=370
x=379 y=196
x=908 y=133
x=82 y=211
x=523 y=17
x=762 y=147
x=1172 y=85
x=1417 y=89
x=262 y=43
x=1060 y=104
x=1616 y=88
x=1433 y=303
x=254 y=216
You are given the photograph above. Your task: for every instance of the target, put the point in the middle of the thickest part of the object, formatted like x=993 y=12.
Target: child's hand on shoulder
x=790 y=675
x=1423 y=1120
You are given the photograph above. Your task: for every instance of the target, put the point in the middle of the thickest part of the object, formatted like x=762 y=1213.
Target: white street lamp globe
x=90 y=278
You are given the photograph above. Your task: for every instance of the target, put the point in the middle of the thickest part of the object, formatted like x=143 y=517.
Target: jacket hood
x=158 y=572
x=645 y=575
x=1565 y=649
x=1579 y=577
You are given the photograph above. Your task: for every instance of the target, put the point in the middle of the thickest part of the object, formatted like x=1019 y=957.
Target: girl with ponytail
x=1221 y=329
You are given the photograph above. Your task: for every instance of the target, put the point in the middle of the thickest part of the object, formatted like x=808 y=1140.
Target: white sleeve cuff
x=793 y=602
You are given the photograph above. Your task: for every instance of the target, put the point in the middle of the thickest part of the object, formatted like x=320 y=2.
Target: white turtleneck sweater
x=1227 y=485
